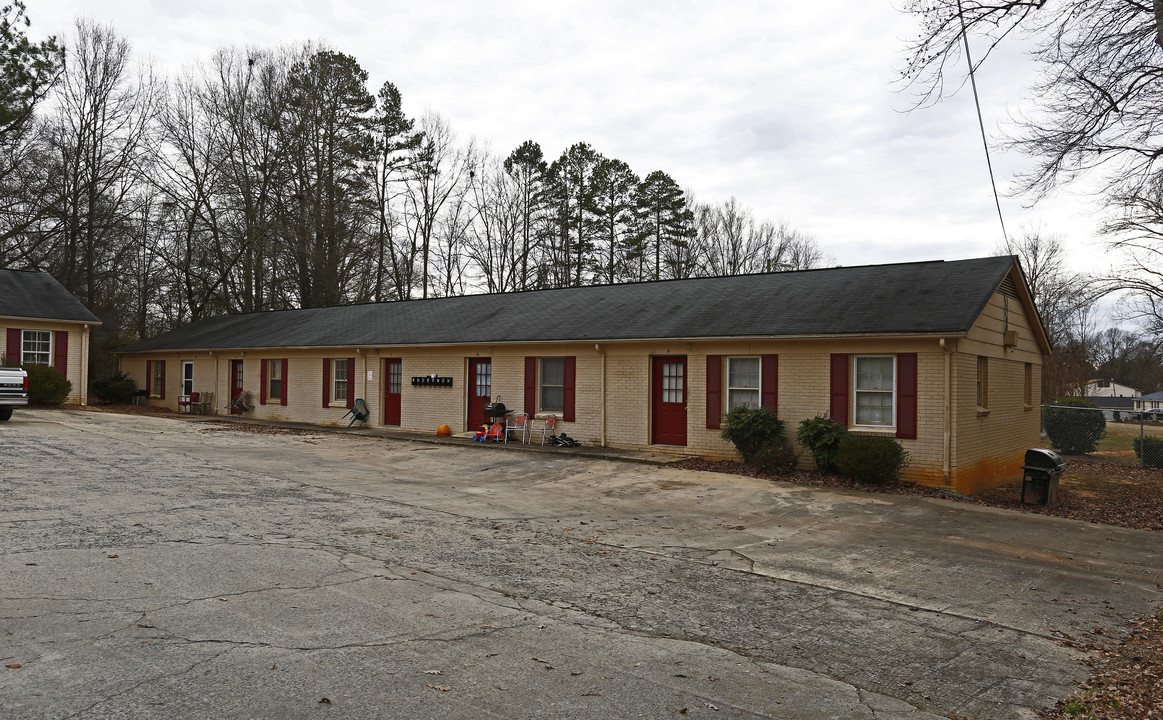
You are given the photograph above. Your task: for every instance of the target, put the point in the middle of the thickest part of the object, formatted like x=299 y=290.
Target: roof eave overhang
x=26 y=318
x=561 y=341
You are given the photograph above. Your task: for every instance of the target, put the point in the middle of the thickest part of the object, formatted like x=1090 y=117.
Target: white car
x=13 y=390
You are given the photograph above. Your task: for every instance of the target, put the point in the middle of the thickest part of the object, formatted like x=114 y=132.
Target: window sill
x=1028 y=408
x=982 y=412
x=867 y=430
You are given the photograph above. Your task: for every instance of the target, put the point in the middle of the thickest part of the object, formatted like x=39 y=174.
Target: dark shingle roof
x=25 y=294
x=910 y=298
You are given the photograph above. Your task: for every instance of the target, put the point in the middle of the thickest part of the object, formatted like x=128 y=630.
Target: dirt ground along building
x=944 y=356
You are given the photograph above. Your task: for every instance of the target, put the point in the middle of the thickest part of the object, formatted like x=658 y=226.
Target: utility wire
x=981 y=123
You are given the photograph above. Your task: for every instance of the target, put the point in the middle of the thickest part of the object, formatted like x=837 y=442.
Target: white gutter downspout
x=947 y=449
x=85 y=364
x=603 y=394
x=362 y=374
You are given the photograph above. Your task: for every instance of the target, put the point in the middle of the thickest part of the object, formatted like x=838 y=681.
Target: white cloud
x=789 y=108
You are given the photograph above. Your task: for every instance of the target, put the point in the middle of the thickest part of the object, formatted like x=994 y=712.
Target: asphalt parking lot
x=156 y=567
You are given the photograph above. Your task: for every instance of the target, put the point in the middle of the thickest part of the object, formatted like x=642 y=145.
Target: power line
x=981 y=123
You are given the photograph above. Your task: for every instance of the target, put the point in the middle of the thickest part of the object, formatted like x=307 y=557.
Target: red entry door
x=235 y=383
x=668 y=400
x=480 y=389
x=393 y=379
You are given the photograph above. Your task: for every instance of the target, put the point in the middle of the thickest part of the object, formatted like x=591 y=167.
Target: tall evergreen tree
x=612 y=202
x=571 y=180
x=662 y=244
x=394 y=262
x=326 y=136
x=527 y=168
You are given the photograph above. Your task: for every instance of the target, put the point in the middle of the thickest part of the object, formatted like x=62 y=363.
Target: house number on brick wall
x=430 y=381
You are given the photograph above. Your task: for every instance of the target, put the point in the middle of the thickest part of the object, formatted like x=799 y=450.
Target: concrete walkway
x=161 y=568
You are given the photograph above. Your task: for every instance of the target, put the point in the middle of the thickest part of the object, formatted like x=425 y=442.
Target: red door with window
x=668 y=401
x=393 y=380
x=235 y=383
x=480 y=389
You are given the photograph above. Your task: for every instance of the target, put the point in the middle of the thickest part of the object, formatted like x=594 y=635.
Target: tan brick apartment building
x=41 y=322
x=944 y=356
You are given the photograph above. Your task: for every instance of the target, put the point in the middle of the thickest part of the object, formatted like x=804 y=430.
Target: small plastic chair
x=517 y=422
x=358 y=412
x=544 y=425
x=187 y=403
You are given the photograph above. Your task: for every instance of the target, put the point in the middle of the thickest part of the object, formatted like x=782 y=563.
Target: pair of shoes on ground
x=562 y=440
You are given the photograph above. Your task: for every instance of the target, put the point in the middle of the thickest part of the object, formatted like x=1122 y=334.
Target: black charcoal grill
x=1040 y=477
x=495 y=412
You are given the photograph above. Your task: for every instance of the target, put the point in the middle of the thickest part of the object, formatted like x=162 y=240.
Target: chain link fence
x=1133 y=438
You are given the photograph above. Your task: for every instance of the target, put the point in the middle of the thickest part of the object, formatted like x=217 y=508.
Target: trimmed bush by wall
x=46 y=386
x=873 y=459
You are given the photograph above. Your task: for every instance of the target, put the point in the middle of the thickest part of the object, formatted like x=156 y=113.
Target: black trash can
x=1040 y=477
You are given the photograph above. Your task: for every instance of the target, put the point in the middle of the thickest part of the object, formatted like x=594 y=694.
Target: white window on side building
x=875 y=390
x=742 y=382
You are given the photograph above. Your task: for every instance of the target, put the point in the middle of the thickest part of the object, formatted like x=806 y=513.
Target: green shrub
x=870 y=458
x=1073 y=431
x=1117 y=416
x=1149 y=450
x=116 y=387
x=778 y=457
x=821 y=436
x=46 y=386
x=757 y=433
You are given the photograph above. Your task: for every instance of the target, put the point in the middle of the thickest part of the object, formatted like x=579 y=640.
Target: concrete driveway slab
x=256 y=575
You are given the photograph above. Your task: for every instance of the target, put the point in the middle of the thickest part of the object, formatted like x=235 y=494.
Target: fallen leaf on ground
x=441 y=688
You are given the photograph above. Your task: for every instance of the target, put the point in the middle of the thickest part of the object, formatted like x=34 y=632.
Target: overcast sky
x=790 y=107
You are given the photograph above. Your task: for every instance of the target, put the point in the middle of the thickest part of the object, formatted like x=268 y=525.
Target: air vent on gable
x=1008 y=288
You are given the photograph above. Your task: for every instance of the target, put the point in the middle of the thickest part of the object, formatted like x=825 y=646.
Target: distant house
x=946 y=357
x=1153 y=401
x=1106 y=388
x=43 y=323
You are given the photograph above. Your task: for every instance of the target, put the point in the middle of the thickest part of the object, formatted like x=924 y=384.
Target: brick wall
x=982 y=448
x=78 y=351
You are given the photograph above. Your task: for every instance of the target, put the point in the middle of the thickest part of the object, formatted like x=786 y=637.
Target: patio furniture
x=358 y=412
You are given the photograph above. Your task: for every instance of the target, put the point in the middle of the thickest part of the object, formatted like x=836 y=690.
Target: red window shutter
x=350 y=383
x=326 y=382
x=714 y=392
x=838 y=407
x=264 y=379
x=284 y=383
x=769 y=367
x=530 y=385
x=567 y=407
x=906 y=395
x=15 y=352
x=60 y=351
x=148 y=378
x=161 y=392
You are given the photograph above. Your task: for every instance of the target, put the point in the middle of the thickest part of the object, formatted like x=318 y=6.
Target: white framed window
x=36 y=347
x=395 y=377
x=743 y=382
x=875 y=390
x=553 y=384
x=274 y=379
x=339 y=380
x=187 y=378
